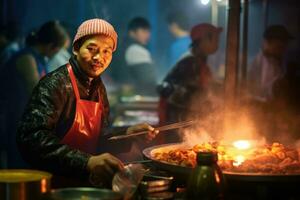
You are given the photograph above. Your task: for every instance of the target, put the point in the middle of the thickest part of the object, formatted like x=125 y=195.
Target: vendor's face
x=207 y=46
x=275 y=48
x=142 y=35
x=210 y=45
x=51 y=51
x=95 y=54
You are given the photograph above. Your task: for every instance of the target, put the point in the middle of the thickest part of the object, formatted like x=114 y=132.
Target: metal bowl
x=83 y=193
x=18 y=184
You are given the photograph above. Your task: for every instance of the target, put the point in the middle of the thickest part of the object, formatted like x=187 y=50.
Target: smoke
x=100 y=10
x=217 y=123
x=196 y=135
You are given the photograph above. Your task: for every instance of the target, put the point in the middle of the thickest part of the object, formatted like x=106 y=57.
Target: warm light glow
x=238 y=160
x=218 y=180
x=242 y=144
x=44 y=186
x=204 y=2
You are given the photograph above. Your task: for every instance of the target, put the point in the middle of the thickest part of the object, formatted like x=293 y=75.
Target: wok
x=181 y=173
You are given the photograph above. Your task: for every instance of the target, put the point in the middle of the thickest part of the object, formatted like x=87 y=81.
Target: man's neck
x=90 y=79
x=39 y=49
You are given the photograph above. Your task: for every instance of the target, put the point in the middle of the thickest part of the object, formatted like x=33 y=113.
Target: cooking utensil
x=181 y=173
x=160 y=129
x=83 y=193
x=16 y=184
x=138 y=162
x=155 y=182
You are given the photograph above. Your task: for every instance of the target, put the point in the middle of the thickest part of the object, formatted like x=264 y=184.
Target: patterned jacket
x=48 y=117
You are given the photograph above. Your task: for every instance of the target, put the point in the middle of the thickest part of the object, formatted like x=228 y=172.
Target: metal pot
x=83 y=193
x=18 y=184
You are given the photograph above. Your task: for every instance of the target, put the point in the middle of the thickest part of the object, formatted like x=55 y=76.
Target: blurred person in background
x=268 y=65
x=61 y=57
x=68 y=112
x=9 y=45
x=9 y=42
x=138 y=59
x=20 y=75
x=186 y=87
x=178 y=25
x=285 y=107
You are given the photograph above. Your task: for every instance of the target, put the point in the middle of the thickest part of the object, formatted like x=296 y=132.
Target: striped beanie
x=96 y=26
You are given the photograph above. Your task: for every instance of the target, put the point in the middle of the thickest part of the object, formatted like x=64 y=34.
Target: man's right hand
x=103 y=168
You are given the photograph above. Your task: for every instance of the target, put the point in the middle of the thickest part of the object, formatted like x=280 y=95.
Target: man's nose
x=98 y=57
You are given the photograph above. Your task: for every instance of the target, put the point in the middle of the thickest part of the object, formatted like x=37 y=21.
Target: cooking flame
x=242 y=144
x=238 y=160
x=240 y=147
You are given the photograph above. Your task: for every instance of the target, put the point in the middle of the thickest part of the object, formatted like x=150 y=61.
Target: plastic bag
x=127 y=180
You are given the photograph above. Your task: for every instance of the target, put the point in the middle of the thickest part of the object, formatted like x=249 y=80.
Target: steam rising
x=220 y=124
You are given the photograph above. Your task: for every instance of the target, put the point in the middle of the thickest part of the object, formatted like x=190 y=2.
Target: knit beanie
x=94 y=27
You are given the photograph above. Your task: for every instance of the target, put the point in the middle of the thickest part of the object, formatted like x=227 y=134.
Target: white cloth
x=59 y=59
x=137 y=54
x=263 y=73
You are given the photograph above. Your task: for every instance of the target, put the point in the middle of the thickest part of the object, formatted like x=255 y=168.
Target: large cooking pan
x=182 y=173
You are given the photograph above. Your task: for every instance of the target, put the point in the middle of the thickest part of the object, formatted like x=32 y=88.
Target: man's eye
x=106 y=51
x=91 y=49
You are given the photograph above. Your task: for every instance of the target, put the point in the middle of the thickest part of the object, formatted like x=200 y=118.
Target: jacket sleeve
x=36 y=137
x=171 y=81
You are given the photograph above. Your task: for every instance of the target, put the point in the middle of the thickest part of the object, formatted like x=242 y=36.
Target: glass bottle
x=206 y=180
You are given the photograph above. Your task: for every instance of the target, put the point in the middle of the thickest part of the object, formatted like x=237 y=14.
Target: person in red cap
x=68 y=111
x=187 y=84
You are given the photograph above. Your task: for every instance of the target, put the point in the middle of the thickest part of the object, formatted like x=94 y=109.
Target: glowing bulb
x=219 y=0
x=204 y=2
x=238 y=160
x=242 y=144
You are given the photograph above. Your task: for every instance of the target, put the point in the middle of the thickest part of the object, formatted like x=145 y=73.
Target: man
x=138 y=58
x=179 y=27
x=185 y=89
x=68 y=111
x=267 y=66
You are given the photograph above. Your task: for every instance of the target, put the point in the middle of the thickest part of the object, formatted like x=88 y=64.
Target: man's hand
x=152 y=132
x=103 y=168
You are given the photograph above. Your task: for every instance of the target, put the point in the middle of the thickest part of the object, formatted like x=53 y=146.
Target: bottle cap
x=207 y=158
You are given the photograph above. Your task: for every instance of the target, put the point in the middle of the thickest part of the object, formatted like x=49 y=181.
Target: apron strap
x=73 y=81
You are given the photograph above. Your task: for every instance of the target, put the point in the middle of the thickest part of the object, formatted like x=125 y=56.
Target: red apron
x=85 y=130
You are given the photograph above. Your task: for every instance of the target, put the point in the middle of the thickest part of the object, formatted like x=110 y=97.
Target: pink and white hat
x=96 y=26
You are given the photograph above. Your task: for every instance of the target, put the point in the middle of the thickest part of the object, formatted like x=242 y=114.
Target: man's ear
x=75 y=52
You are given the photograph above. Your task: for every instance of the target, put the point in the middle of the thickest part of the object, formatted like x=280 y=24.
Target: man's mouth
x=96 y=67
